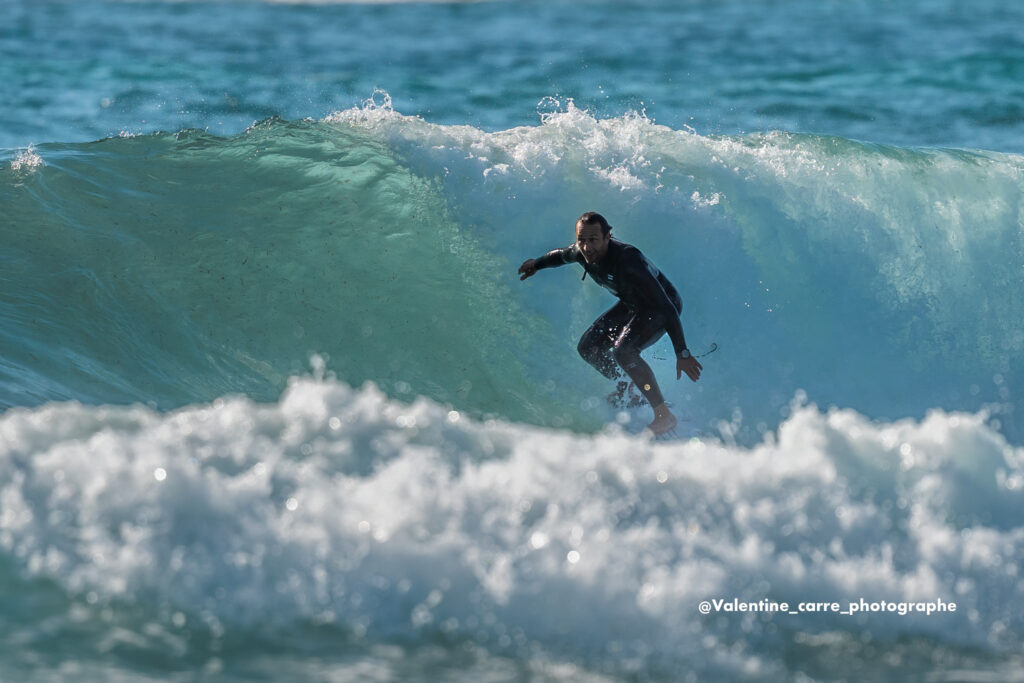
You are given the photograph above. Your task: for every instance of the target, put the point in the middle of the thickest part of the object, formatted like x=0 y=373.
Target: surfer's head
x=592 y=236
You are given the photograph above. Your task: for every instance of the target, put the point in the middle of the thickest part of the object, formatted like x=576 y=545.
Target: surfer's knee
x=588 y=348
x=626 y=356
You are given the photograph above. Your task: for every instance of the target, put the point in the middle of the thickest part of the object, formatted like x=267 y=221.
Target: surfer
x=648 y=307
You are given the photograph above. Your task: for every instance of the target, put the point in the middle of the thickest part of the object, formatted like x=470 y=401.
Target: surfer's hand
x=528 y=268
x=691 y=366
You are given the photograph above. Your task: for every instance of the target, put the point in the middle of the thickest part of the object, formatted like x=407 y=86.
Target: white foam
x=28 y=160
x=336 y=505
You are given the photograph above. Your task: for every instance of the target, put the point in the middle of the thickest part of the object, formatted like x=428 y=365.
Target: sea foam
x=340 y=507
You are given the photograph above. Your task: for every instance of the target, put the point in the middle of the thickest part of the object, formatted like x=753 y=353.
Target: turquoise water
x=277 y=407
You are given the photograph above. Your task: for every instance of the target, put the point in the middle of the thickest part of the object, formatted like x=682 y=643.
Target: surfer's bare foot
x=664 y=420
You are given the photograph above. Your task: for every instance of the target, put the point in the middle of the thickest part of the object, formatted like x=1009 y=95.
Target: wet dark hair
x=594 y=218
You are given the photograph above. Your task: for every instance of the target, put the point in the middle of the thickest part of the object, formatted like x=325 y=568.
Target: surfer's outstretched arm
x=528 y=269
x=555 y=257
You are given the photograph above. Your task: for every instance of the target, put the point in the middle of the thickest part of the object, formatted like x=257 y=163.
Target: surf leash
x=710 y=350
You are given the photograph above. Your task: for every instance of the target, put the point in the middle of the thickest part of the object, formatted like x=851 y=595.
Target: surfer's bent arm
x=558 y=257
x=674 y=327
x=649 y=289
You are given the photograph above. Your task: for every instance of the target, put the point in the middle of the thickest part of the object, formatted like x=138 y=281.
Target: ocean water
x=276 y=406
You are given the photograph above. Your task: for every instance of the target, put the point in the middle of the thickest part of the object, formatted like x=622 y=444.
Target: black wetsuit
x=648 y=307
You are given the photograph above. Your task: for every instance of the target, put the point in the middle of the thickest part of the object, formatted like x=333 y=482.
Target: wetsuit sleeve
x=558 y=257
x=648 y=289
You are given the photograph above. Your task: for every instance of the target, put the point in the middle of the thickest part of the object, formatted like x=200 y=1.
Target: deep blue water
x=927 y=72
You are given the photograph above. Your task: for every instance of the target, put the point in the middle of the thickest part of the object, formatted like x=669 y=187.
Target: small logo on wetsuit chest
x=608 y=282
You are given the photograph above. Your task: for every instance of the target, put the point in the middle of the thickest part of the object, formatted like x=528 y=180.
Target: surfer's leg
x=640 y=332
x=595 y=345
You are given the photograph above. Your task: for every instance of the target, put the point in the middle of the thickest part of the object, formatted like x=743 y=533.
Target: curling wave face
x=177 y=268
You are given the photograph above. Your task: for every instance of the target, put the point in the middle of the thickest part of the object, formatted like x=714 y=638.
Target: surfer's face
x=592 y=241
